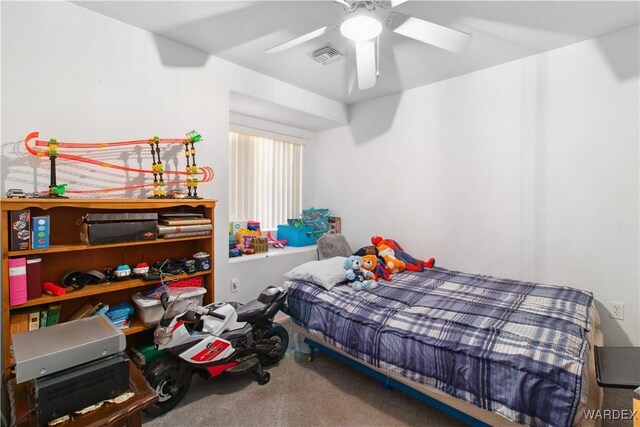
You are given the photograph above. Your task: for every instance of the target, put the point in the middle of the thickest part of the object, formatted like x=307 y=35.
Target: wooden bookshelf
x=66 y=252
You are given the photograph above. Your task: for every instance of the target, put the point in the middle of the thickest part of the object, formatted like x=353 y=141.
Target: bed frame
x=458 y=408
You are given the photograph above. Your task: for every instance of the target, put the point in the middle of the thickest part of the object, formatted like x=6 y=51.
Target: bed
x=494 y=350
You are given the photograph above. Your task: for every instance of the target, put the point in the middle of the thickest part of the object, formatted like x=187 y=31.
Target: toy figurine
x=109 y=275
x=122 y=272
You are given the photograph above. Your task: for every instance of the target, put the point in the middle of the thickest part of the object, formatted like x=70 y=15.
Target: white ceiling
x=240 y=31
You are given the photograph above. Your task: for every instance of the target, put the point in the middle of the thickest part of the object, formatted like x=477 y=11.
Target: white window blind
x=265 y=179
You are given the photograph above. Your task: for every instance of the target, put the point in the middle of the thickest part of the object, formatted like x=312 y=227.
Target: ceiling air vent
x=326 y=55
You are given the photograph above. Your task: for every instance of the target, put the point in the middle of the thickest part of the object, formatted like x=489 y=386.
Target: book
x=82 y=312
x=53 y=315
x=179 y=215
x=40 y=232
x=20 y=233
x=43 y=317
x=118 y=319
x=123 y=324
x=34 y=320
x=34 y=277
x=19 y=323
x=185 y=221
x=99 y=309
x=17 y=280
x=173 y=229
x=191 y=234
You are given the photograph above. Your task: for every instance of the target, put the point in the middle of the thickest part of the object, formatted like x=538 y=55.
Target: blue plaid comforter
x=507 y=346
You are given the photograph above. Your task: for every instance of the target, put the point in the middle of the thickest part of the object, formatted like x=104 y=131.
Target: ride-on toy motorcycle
x=220 y=337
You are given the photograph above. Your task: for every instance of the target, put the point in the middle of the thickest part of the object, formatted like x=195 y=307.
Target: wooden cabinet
x=66 y=252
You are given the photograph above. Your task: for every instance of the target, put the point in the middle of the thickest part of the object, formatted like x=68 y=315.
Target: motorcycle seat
x=251 y=311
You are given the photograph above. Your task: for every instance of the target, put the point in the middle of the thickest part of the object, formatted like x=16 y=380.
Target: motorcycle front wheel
x=279 y=335
x=170 y=380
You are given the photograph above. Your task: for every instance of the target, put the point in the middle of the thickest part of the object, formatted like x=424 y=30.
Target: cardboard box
x=40 y=231
x=20 y=232
x=335 y=225
x=235 y=226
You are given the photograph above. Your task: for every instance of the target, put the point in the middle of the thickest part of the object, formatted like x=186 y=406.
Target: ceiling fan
x=363 y=25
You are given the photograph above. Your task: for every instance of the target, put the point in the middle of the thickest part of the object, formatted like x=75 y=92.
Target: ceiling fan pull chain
x=377 y=56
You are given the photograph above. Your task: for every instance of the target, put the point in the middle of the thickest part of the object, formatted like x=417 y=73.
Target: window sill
x=273 y=252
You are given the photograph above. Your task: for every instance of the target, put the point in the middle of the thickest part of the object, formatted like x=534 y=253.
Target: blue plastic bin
x=297 y=236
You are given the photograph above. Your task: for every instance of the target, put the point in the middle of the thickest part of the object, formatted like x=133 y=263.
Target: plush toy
x=411 y=263
x=359 y=278
x=366 y=250
x=391 y=262
x=373 y=264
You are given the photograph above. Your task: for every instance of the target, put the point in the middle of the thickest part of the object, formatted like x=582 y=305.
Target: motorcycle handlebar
x=164 y=300
x=216 y=315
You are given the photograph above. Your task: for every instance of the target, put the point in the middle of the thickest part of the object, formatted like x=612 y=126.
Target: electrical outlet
x=616 y=310
x=234 y=285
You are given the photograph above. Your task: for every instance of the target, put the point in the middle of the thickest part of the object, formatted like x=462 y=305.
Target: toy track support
x=158 y=185
x=55 y=190
x=159 y=190
x=192 y=168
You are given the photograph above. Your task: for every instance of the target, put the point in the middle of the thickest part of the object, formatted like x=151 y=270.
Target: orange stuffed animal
x=393 y=264
x=410 y=263
x=370 y=263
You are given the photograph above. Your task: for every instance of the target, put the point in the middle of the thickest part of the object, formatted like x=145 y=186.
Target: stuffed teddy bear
x=411 y=263
x=373 y=264
x=359 y=278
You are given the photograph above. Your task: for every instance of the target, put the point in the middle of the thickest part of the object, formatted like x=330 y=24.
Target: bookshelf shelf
x=100 y=289
x=136 y=326
x=85 y=247
x=67 y=252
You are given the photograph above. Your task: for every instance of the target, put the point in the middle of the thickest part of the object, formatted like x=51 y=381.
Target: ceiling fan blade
x=428 y=32
x=395 y=3
x=298 y=40
x=366 y=64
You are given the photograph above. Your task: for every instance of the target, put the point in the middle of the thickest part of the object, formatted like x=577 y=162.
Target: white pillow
x=326 y=273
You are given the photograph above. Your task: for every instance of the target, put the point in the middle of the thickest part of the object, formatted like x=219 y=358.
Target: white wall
x=527 y=170
x=76 y=75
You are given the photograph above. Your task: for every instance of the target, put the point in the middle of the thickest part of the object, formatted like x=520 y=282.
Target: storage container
x=103 y=228
x=150 y=310
x=296 y=236
x=318 y=219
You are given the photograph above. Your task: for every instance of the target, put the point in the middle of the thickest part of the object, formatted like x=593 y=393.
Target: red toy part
x=275 y=243
x=53 y=289
x=216 y=370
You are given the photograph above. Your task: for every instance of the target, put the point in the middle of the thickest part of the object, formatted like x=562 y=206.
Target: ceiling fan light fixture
x=361 y=27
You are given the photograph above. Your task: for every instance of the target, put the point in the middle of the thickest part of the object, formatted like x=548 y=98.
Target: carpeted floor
x=325 y=392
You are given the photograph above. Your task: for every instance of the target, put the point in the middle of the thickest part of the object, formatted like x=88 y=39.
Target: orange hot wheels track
x=31 y=142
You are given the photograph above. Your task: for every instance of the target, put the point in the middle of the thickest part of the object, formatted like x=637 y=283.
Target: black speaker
x=76 y=388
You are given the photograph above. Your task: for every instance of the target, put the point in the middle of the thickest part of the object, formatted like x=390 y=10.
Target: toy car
x=122 y=272
x=140 y=270
x=16 y=193
x=177 y=194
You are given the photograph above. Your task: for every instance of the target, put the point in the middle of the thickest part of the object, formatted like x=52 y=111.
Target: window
x=265 y=179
